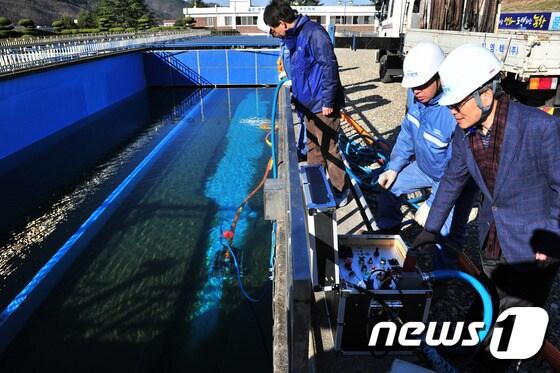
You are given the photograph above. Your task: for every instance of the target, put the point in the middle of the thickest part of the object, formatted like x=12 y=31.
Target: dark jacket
x=527 y=191
x=313 y=65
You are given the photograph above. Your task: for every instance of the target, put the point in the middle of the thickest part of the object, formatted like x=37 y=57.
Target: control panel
x=369 y=268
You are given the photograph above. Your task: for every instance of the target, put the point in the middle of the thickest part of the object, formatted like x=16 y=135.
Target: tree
x=6 y=27
x=29 y=27
x=104 y=13
x=103 y=24
x=124 y=13
x=58 y=25
x=86 y=19
x=64 y=23
x=199 y=4
x=137 y=9
x=185 y=22
x=145 y=22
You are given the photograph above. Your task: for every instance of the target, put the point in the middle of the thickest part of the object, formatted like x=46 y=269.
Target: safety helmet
x=421 y=64
x=261 y=25
x=465 y=70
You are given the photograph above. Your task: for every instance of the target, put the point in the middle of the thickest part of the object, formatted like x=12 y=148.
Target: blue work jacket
x=426 y=134
x=313 y=66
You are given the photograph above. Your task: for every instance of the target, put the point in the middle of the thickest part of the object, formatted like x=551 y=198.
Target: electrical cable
x=238 y=273
x=229 y=235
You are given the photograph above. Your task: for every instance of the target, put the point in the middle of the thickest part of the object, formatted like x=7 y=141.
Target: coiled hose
x=364 y=162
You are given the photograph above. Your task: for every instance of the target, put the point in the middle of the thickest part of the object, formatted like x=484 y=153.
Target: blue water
x=147 y=295
x=49 y=189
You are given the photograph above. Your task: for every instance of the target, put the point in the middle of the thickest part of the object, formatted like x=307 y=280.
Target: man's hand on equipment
x=424 y=238
x=387 y=178
x=540 y=256
x=327 y=111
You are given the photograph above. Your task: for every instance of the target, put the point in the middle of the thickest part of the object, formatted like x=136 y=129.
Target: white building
x=241 y=16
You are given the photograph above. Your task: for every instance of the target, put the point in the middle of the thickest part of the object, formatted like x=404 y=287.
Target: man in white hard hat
x=512 y=152
x=422 y=150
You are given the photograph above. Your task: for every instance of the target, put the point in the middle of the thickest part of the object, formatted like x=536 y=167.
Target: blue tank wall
x=219 y=66
x=38 y=105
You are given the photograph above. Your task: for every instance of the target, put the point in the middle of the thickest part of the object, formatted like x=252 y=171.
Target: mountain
x=43 y=12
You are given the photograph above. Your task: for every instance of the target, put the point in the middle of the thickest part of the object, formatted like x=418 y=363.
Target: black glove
x=425 y=238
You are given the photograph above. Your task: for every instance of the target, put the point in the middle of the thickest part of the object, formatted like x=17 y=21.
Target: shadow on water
x=124 y=322
x=67 y=175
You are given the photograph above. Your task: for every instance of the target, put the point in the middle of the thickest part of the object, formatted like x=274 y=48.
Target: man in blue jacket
x=316 y=87
x=512 y=153
x=422 y=151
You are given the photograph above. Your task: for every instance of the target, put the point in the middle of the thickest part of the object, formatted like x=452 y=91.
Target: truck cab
x=395 y=16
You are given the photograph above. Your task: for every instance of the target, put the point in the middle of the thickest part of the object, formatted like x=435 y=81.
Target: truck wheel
x=383 y=75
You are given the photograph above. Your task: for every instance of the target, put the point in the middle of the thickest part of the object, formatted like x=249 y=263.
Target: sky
x=323 y=2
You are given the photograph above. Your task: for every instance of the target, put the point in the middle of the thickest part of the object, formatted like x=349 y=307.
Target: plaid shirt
x=488 y=159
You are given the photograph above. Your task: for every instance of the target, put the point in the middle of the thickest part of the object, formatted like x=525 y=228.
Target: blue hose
x=274 y=162
x=359 y=157
x=446 y=274
x=238 y=272
x=273 y=125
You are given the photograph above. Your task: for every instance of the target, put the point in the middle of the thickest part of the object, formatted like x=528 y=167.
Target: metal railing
x=182 y=68
x=19 y=57
x=292 y=282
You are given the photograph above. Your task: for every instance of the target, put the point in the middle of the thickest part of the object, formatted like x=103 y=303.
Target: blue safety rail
x=221 y=42
x=182 y=68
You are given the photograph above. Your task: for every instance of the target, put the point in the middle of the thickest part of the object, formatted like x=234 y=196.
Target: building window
x=339 y=20
x=209 y=21
x=323 y=20
x=227 y=21
x=246 y=20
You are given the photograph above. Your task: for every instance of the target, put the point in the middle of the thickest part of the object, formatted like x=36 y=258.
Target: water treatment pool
x=149 y=292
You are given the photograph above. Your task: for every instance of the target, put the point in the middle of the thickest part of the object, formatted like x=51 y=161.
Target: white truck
x=528 y=43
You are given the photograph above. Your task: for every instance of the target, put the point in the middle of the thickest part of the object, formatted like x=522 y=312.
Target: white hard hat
x=261 y=25
x=421 y=64
x=465 y=70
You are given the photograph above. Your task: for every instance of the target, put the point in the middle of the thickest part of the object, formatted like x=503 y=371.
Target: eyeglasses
x=460 y=104
x=272 y=30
